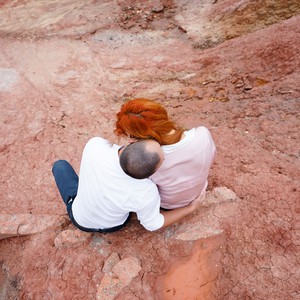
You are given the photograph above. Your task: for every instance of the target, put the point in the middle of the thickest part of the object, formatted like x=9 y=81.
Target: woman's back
x=183 y=174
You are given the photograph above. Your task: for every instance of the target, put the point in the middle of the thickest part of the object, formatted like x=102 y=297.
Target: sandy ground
x=232 y=66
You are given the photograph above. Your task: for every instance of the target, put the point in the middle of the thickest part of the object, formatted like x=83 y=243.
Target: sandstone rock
x=122 y=274
x=68 y=18
x=224 y=194
x=8 y=78
x=220 y=204
x=27 y=224
x=70 y=238
x=209 y=24
x=219 y=195
x=198 y=231
x=111 y=262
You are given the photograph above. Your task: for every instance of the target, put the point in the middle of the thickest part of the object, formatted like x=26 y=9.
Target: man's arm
x=175 y=215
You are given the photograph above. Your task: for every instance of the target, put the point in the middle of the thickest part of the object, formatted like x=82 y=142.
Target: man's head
x=141 y=159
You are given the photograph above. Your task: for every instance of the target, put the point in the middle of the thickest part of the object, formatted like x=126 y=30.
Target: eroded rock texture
x=233 y=66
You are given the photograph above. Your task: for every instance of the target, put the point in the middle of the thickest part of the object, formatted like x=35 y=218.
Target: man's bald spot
x=141 y=159
x=154 y=147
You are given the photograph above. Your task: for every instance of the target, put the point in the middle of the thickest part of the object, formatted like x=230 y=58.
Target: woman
x=188 y=154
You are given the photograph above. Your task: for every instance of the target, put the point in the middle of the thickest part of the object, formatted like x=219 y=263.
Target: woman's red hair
x=145 y=119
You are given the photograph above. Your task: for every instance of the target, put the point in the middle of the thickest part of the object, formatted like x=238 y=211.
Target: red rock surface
x=233 y=66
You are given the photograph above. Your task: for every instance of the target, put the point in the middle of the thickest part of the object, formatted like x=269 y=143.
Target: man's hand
x=198 y=201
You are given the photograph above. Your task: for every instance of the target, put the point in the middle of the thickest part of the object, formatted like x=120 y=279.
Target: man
x=113 y=182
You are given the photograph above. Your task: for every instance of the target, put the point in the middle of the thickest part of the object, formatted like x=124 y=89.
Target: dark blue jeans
x=67 y=183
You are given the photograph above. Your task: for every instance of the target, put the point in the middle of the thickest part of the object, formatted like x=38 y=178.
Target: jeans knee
x=59 y=164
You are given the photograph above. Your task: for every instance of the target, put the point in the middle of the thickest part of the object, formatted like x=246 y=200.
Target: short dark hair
x=139 y=162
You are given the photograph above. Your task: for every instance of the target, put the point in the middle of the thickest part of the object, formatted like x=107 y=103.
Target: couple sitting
x=161 y=175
